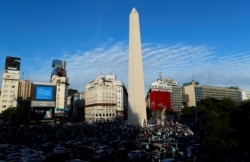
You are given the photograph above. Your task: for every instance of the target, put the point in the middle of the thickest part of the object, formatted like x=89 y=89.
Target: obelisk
x=136 y=93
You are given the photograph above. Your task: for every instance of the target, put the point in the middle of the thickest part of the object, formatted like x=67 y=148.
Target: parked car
x=73 y=143
x=3 y=156
x=59 y=148
x=76 y=160
x=139 y=155
x=84 y=151
x=127 y=144
x=59 y=156
x=150 y=147
x=168 y=160
x=33 y=158
x=16 y=156
x=108 y=149
x=101 y=155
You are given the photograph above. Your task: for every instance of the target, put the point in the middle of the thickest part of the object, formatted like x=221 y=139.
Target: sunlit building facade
x=10 y=83
x=59 y=77
x=24 y=90
x=195 y=92
x=106 y=100
x=165 y=93
x=245 y=94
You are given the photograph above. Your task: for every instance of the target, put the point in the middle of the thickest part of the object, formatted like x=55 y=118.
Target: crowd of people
x=126 y=142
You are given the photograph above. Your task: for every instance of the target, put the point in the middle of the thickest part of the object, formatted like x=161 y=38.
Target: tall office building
x=136 y=93
x=10 y=83
x=59 y=77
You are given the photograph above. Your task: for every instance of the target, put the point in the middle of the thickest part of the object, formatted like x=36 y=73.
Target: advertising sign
x=160 y=100
x=12 y=63
x=44 y=93
x=42 y=113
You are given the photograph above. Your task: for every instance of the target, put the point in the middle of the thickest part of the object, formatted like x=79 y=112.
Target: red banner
x=160 y=100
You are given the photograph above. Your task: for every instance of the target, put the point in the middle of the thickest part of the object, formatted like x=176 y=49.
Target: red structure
x=160 y=100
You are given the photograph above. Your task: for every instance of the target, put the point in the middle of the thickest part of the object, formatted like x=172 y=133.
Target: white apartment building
x=245 y=94
x=59 y=77
x=106 y=99
x=176 y=94
x=195 y=92
x=61 y=93
x=10 y=82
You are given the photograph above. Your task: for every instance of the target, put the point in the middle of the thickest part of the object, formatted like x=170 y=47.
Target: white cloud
x=181 y=62
x=85 y=66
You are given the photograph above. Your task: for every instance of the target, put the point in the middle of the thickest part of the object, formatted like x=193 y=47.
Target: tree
x=240 y=118
x=214 y=127
x=219 y=136
x=15 y=116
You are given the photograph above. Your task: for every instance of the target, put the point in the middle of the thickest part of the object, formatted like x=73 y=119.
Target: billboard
x=42 y=113
x=43 y=92
x=12 y=63
x=160 y=100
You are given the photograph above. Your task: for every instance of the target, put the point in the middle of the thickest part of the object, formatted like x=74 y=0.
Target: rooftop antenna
x=208 y=77
x=160 y=76
x=22 y=75
x=192 y=70
x=28 y=76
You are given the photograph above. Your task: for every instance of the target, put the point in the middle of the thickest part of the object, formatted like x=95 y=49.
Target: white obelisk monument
x=136 y=93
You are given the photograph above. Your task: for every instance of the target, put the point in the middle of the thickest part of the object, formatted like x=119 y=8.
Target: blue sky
x=208 y=41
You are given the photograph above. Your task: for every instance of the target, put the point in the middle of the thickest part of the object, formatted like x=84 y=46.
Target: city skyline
x=206 y=41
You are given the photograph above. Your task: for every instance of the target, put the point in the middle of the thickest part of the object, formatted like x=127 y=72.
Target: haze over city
x=207 y=41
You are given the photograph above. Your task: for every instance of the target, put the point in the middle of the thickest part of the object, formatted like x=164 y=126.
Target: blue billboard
x=44 y=93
